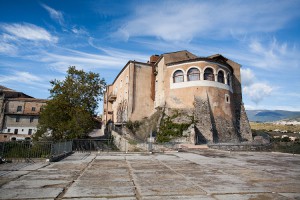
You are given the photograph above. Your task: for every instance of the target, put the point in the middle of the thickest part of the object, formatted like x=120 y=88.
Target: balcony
x=112 y=97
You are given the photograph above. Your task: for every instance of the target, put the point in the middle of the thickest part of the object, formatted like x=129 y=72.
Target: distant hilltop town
x=203 y=91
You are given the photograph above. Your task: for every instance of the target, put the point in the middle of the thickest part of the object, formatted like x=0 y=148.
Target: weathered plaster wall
x=144 y=105
x=159 y=84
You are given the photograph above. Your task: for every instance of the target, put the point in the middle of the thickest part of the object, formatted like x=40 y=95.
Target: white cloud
x=7 y=48
x=28 y=32
x=20 y=76
x=254 y=89
x=185 y=20
x=272 y=107
x=54 y=14
x=257 y=91
x=248 y=76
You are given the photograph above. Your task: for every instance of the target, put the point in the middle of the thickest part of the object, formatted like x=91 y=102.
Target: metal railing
x=61 y=148
x=29 y=150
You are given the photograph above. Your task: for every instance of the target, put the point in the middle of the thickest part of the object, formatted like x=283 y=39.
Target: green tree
x=70 y=110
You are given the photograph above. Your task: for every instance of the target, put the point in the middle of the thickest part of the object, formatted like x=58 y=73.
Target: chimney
x=153 y=59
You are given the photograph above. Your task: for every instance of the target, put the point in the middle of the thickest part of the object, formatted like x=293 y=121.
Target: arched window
x=221 y=77
x=228 y=79
x=193 y=74
x=209 y=74
x=178 y=76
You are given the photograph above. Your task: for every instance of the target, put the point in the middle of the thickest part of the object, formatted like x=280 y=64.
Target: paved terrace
x=203 y=174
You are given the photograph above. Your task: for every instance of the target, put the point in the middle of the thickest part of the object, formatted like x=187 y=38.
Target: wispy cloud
x=24 y=78
x=273 y=54
x=28 y=32
x=185 y=20
x=119 y=53
x=61 y=58
x=17 y=38
x=54 y=14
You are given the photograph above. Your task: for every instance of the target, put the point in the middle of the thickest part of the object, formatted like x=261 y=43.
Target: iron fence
x=88 y=145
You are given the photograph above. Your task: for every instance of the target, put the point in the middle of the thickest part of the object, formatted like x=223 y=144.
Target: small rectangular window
x=8 y=130
x=19 y=108
x=227 y=98
x=18 y=119
x=29 y=131
x=16 y=131
x=31 y=119
x=33 y=109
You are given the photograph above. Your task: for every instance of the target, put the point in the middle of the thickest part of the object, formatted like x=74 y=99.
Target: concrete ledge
x=241 y=147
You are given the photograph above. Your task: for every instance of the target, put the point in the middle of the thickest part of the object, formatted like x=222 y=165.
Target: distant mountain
x=271 y=115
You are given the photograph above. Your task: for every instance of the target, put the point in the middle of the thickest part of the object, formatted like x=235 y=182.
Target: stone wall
x=241 y=147
x=245 y=128
x=122 y=143
x=203 y=123
x=1 y=112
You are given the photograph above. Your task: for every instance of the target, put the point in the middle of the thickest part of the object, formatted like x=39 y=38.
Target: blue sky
x=39 y=40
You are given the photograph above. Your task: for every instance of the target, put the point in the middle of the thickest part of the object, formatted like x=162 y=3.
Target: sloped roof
x=218 y=58
x=6 y=89
x=178 y=56
x=28 y=100
x=10 y=93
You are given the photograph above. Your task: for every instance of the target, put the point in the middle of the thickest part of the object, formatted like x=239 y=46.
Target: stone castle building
x=19 y=114
x=210 y=87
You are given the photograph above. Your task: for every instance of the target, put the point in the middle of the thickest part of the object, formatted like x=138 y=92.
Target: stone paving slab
x=103 y=198
x=189 y=197
x=30 y=193
x=258 y=196
x=12 y=174
x=98 y=191
x=203 y=175
x=19 y=184
x=35 y=166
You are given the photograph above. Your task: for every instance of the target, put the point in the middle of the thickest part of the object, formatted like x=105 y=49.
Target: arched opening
x=178 y=76
x=209 y=74
x=221 y=77
x=193 y=74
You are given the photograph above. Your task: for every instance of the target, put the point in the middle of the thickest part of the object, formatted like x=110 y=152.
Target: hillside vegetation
x=272 y=127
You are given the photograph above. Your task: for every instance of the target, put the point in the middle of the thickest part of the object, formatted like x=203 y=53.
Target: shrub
x=169 y=130
x=285 y=139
